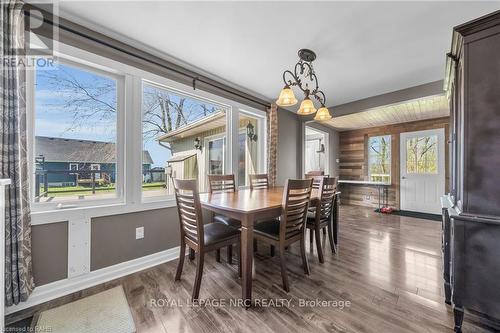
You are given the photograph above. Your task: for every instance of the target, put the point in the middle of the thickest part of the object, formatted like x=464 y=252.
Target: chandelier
x=304 y=77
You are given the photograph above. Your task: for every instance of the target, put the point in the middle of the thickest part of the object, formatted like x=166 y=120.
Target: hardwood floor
x=388 y=267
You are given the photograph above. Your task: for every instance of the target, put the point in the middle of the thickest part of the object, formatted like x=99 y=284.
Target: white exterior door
x=422 y=170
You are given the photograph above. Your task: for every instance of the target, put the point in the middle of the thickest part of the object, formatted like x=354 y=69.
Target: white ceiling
x=418 y=109
x=364 y=48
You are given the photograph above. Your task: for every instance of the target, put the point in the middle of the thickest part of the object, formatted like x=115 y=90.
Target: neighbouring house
x=198 y=149
x=71 y=162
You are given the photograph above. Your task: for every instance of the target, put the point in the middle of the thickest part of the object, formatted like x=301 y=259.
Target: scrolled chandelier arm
x=304 y=78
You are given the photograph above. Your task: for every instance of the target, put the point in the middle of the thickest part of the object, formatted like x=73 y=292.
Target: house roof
x=201 y=125
x=181 y=157
x=85 y=151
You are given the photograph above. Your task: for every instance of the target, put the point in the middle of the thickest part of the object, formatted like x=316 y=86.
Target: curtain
x=272 y=143
x=13 y=164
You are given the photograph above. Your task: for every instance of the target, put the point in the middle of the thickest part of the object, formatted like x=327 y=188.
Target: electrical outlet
x=139 y=233
x=367 y=197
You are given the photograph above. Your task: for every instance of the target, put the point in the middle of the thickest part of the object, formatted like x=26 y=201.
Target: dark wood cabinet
x=471 y=211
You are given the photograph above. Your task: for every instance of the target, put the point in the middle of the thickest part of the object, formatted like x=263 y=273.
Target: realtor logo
x=32 y=43
x=40 y=28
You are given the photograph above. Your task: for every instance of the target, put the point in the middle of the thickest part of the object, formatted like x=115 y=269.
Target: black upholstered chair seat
x=227 y=221
x=312 y=221
x=271 y=229
x=218 y=232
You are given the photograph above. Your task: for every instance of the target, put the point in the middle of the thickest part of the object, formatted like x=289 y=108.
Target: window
x=315 y=150
x=85 y=134
x=379 y=158
x=183 y=137
x=75 y=134
x=250 y=143
x=421 y=155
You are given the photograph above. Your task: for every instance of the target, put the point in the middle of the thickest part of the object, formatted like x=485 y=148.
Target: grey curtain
x=13 y=164
x=272 y=143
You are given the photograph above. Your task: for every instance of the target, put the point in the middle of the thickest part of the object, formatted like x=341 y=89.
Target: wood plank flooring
x=388 y=267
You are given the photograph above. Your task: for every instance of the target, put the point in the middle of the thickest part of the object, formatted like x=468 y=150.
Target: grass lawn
x=83 y=190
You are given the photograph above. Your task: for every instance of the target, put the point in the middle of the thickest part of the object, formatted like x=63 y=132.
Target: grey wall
x=113 y=237
x=49 y=249
x=289 y=146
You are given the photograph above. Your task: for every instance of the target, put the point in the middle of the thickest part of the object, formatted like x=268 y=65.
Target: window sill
x=88 y=212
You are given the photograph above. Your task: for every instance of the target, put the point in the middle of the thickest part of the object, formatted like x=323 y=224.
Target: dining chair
x=315 y=173
x=322 y=216
x=218 y=184
x=199 y=237
x=316 y=185
x=316 y=179
x=290 y=227
x=259 y=181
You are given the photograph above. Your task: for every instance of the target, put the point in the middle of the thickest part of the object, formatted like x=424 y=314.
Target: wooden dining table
x=249 y=206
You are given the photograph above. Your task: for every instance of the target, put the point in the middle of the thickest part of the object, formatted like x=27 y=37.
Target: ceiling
x=364 y=48
x=418 y=109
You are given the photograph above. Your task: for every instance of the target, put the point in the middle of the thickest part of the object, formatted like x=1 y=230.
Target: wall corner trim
x=64 y=287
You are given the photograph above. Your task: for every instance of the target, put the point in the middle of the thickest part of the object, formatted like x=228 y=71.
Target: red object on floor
x=386 y=210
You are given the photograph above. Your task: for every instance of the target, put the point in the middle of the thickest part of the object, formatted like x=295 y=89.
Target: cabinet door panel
x=482 y=134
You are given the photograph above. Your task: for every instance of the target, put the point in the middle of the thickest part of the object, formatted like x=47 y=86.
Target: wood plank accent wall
x=353 y=163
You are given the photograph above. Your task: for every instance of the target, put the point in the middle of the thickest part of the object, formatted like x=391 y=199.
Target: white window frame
x=129 y=139
x=390 y=153
x=81 y=63
x=73 y=164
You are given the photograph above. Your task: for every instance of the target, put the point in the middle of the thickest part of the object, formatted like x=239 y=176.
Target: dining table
x=249 y=207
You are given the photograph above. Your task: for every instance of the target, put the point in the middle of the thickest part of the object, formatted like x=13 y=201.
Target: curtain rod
x=195 y=77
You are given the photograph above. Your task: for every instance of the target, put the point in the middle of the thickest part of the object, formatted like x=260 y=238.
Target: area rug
x=107 y=311
x=425 y=216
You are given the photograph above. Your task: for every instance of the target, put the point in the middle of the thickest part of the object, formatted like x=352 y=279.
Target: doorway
x=422 y=170
x=315 y=150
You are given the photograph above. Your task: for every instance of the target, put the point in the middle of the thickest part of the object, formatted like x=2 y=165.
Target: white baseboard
x=64 y=287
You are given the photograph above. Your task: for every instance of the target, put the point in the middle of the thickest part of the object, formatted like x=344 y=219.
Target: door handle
x=403 y=177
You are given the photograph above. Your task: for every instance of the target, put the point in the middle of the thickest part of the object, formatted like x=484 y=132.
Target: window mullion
x=134 y=141
x=232 y=132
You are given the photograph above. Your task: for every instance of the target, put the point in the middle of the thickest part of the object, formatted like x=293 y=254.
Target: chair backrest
x=315 y=173
x=221 y=183
x=296 y=196
x=316 y=180
x=328 y=188
x=189 y=208
x=259 y=181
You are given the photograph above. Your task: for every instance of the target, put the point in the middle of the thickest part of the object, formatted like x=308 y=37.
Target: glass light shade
x=323 y=114
x=306 y=107
x=286 y=98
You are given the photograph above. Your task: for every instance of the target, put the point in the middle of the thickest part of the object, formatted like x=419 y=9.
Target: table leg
x=379 y=199
x=247 y=261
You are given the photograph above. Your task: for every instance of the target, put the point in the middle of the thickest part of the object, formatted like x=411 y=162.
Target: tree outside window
x=379 y=158
x=421 y=155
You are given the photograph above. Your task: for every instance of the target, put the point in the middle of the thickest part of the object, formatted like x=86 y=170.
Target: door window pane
x=75 y=134
x=379 y=158
x=248 y=147
x=183 y=138
x=216 y=156
x=421 y=155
